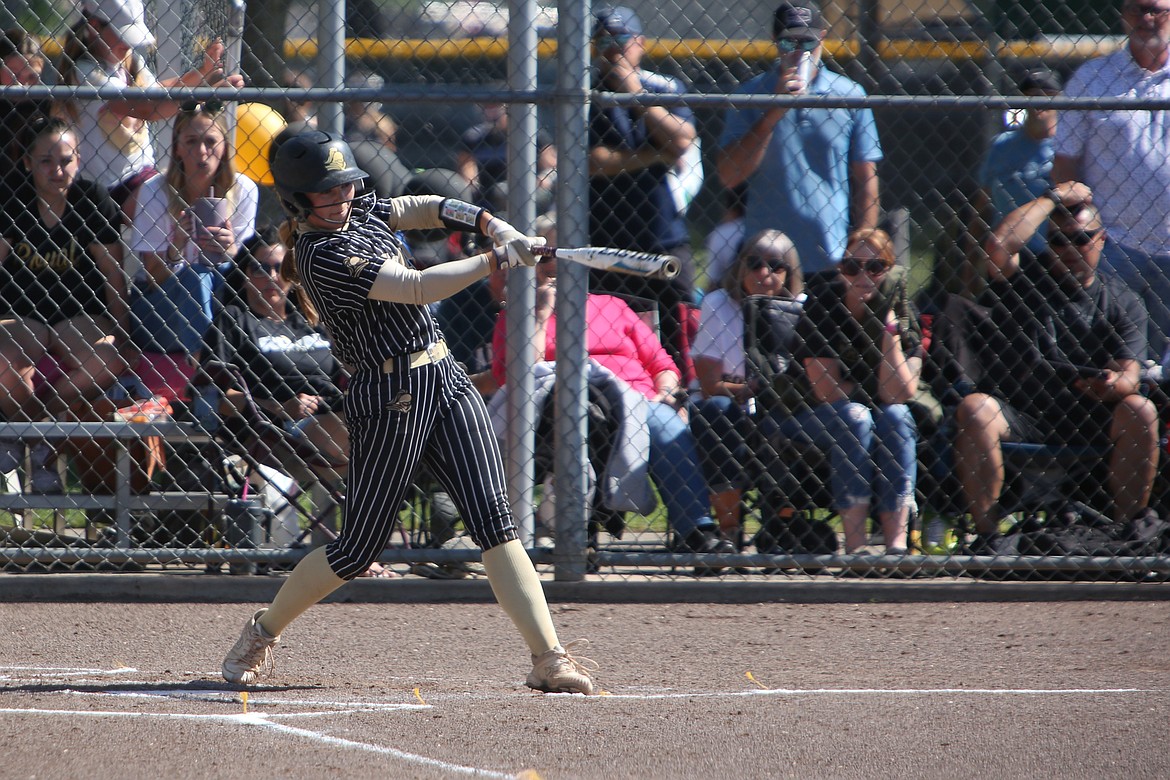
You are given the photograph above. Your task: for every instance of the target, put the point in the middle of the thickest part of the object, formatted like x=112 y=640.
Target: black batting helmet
x=313 y=161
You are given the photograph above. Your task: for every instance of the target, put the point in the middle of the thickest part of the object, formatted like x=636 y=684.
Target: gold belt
x=432 y=354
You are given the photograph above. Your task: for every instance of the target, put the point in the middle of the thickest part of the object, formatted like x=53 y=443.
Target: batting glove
x=501 y=232
x=517 y=253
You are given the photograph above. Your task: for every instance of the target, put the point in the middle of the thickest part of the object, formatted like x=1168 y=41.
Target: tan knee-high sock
x=517 y=587
x=311 y=581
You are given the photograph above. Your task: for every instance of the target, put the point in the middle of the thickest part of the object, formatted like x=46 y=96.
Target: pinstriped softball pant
x=431 y=415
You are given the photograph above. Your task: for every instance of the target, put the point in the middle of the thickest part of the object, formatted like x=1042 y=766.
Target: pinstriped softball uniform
x=430 y=415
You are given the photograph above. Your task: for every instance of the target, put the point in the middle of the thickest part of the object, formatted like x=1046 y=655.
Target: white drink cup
x=804 y=70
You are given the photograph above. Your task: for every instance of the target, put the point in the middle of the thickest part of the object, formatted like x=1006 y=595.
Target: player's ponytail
x=290 y=273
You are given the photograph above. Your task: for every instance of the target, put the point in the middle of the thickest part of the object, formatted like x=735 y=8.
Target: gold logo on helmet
x=335 y=161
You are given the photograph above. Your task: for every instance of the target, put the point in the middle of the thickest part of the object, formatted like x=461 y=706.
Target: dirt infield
x=1078 y=689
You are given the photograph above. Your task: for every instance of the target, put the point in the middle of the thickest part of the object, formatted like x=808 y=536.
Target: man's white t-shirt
x=1125 y=155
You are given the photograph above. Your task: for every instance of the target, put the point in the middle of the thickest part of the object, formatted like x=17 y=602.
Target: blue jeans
x=872 y=452
x=736 y=451
x=674 y=466
x=175 y=315
x=1149 y=277
x=721 y=429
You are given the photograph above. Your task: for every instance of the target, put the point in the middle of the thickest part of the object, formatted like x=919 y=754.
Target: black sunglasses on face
x=619 y=41
x=789 y=45
x=205 y=107
x=852 y=266
x=774 y=264
x=1079 y=238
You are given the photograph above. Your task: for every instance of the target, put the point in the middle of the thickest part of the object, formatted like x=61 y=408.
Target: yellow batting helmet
x=256 y=126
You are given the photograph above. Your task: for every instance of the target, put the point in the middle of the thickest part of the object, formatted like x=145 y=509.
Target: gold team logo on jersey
x=335 y=161
x=355 y=265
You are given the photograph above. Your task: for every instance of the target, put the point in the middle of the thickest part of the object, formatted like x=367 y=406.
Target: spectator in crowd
x=363 y=117
x=482 y=159
x=1121 y=155
x=631 y=153
x=99 y=51
x=810 y=172
x=185 y=250
x=296 y=110
x=860 y=345
x=723 y=415
x=61 y=289
x=22 y=66
x=1018 y=164
x=286 y=364
x=726 y=238
x=372 y=134
x=621 y=342
x=1069 y=368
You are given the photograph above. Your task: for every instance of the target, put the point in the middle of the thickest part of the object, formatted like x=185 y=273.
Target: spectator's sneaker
x=558 y=671
x=252 y=654
x=706 y=539
x=985 y=544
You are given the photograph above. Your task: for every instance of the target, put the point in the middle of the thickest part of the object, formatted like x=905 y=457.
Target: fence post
x=331 y=61
x=572 y=135
x=521 y=412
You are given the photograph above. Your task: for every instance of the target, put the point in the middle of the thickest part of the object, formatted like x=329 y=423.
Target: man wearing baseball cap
x=811 y=172
x=632 y=152
x=1018 y=166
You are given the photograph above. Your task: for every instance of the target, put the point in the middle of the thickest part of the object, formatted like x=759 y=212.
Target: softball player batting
x=408 y=401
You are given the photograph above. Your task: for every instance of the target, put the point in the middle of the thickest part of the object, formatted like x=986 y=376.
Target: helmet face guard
x=315 y=161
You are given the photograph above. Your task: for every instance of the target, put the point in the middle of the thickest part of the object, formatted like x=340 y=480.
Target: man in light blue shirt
x=1018 y=165
x=811 y=172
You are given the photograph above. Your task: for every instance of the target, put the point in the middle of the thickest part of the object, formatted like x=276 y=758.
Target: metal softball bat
x=624 y=261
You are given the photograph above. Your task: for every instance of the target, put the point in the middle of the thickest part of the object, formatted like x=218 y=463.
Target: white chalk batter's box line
x=264 y=720
x=267 y=720
x=256 y=697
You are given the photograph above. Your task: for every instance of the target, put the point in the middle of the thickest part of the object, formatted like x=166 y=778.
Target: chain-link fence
x=918 y=330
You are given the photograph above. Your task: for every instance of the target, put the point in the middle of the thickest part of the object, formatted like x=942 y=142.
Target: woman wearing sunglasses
x=766 y=265
x=861 y=349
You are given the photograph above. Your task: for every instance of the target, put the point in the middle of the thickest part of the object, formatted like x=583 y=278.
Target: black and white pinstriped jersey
x=337 y=269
